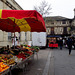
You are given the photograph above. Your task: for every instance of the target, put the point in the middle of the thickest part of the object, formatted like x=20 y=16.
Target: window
x=19 y=36
x=25 y=36
x=47 y=20
x=65 y=30
x=63 y=22
x=9 y=36
x=48 y=30
x=52 y=31
x=30 y=36
x=52 y=22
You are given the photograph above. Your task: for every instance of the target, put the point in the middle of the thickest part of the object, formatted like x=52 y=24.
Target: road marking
x=45 y=71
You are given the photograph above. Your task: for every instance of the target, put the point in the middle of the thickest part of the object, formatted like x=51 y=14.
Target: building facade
x=6 y=37
x=58 y=26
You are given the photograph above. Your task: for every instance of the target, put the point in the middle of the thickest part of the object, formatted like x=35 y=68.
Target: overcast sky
x=63 y=8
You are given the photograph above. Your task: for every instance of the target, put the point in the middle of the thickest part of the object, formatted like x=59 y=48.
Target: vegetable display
x=13 y=56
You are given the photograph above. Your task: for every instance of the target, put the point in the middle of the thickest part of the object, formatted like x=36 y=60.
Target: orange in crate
x=3 y=67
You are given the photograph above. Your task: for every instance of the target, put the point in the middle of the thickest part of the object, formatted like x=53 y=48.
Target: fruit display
x=12 y=57
x=24 y=54
x=16 y=59
x=10 y=62
x=35 y=48
x=26 y=45
x=21 y=55
x=3 y=67
x=6 y=59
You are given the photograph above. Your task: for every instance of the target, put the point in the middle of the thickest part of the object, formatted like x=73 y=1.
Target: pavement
x=51 y=62
x=64 y=64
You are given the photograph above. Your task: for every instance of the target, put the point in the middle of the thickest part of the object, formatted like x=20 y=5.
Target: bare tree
x=43 y=8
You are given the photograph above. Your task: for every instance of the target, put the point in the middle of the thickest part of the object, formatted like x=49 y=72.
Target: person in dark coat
x=61 y=43
x=69 y=44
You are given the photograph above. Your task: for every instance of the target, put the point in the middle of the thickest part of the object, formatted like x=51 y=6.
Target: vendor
x=7 y=47
x=15 y=42
x=22 y=47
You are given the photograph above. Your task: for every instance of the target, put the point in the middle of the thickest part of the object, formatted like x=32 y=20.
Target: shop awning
x=53 y=36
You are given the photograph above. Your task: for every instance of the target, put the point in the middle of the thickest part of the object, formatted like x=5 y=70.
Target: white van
x=39 y=39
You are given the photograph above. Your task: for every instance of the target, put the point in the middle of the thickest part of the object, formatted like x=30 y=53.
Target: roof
x=58 y=18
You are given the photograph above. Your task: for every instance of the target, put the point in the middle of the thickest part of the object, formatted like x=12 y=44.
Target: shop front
x=53 y=41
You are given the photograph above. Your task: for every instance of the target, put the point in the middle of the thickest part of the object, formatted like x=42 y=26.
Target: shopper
x=14 y=41
x=60 y=43
x=69 y=44
x=17 y=42
x=7 y=47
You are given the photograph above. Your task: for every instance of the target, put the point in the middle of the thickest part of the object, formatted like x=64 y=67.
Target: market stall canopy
x=21 y=20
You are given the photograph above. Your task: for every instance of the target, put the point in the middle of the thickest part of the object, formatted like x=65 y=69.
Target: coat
x=69 y=43
x=60 y=42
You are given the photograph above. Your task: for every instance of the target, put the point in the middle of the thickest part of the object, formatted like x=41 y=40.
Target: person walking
x=14 y=41
x=60 y=43
x=69 y=44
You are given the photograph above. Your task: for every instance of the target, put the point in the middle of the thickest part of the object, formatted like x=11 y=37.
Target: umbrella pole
x=14 y=35
x=14 y=40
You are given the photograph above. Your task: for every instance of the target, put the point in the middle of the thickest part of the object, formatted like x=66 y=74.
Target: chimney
x=74 y=13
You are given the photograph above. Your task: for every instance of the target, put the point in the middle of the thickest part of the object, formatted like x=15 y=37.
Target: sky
x=64 y=8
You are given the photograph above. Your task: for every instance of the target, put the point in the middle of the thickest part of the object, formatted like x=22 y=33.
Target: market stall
x=53 y=41
x=17 y=21
x=21 y=20
x=10 y=59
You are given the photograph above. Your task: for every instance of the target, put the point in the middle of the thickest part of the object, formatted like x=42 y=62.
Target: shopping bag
x=66 y=46
x=72 y=46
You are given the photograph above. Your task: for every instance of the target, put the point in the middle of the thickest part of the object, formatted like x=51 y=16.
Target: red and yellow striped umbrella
x=21 y=20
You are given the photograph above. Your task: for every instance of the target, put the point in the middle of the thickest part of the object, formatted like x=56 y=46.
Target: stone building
x=6 y=38
x=58 y=26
